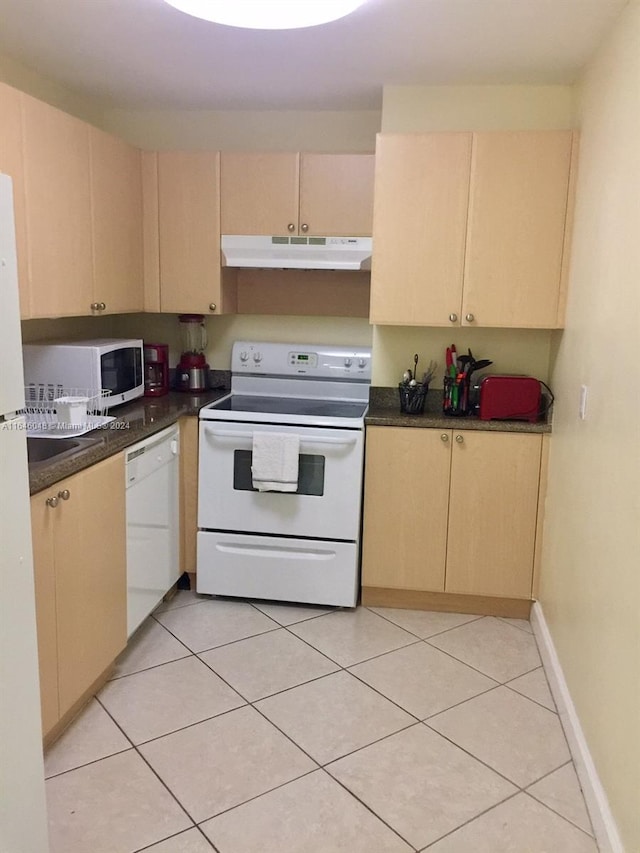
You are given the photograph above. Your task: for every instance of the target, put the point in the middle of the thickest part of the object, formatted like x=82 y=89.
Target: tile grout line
x=474 y=617
x=471 y=820
x=482 y=761
x=367 y=807
x=142 y=757
x=569 y=763
x=176 y=835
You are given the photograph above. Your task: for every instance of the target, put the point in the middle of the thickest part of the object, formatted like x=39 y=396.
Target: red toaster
x=509 y=398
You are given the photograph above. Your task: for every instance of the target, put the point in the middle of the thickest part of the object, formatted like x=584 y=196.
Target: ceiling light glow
x=268 y=14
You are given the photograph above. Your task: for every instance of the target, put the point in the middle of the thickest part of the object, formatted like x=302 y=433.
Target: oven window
x=121 y=370
x=310 y=473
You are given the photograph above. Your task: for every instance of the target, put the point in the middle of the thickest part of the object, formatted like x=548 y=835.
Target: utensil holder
x=455 y=396
x=412 y=398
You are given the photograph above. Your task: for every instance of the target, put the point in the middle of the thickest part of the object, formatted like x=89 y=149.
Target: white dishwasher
x=153 y=522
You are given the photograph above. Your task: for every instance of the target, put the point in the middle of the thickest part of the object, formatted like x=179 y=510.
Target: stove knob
x=347 y=362
x=362 y=362
x=257 y=357
x=244 y=356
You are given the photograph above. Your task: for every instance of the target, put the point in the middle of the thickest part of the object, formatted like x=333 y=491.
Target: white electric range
x=300 y=546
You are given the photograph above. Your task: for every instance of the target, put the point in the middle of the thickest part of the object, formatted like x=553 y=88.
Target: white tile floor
x=265 y=728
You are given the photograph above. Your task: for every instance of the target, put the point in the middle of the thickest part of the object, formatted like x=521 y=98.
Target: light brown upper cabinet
x=58 y=211
x=297 y=194
x=116 y=195
x=469 y=229
x=188 y=205
x=516 y=228
x=419 y=227
x=12 y=163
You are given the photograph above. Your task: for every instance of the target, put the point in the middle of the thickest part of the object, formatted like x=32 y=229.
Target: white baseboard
x=604 y=825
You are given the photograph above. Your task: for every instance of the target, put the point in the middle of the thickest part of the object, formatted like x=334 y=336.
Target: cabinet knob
x=95 y=306
x=469 y=318
x=102 y=306
x=212 y=306
x=52 y=502
x=304 y=227
x=453 y=318
x=444 y=437
x=291 y=227
x=64 y=495
x=459 y=439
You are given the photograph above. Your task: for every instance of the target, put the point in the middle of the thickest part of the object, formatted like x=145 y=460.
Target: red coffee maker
x=156 y=370
x=192 y=371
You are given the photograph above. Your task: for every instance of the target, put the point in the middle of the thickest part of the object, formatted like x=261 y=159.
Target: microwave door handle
x=304 y=439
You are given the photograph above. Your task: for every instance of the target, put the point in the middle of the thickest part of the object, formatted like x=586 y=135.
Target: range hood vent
x=298 y=253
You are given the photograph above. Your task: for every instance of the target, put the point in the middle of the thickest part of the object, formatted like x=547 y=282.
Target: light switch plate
x=583 y=402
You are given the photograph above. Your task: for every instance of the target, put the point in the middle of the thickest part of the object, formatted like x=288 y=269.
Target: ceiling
x=145 y=54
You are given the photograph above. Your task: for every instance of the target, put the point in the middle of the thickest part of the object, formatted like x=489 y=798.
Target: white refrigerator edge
x=23 y=825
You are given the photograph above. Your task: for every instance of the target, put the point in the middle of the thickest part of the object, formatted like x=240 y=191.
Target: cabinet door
x=58 y=206
x=419 y=226
x=517 y=210
x=116 y=193
x=91 y=583
x=405 y=508
x=43 y=519
x=259 y=193
x=189 y=231
x=11 y=163
x=492 y=513
x=336 y=194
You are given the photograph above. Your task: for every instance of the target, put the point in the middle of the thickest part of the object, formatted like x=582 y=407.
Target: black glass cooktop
x=291 y=406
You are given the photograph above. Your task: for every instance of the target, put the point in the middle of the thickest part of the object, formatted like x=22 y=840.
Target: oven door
x=325 y=506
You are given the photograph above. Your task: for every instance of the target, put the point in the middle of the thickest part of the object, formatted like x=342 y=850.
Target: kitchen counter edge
x=134 y=422
x=384 y=410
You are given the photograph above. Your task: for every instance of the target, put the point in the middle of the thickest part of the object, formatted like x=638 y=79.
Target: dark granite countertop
x=134 y=422
x=384 y=410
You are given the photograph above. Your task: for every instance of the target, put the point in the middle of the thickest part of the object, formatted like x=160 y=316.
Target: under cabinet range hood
x=298 y=253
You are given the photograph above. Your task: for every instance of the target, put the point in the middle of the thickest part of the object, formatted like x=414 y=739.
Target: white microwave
x=103 y=364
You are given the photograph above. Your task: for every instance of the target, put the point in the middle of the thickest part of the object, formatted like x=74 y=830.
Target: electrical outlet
x=583 y=402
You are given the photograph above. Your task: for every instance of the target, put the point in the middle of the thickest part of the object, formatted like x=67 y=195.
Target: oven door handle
x=304 y=439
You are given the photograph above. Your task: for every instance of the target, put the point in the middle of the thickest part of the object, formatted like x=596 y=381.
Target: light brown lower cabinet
x=78 y=531
x=451 y=512
x=188 y=495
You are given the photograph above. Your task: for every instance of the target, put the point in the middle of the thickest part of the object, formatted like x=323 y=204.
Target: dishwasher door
x=153 y=523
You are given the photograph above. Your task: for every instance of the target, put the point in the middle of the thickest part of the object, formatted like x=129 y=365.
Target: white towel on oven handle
x=274 y=465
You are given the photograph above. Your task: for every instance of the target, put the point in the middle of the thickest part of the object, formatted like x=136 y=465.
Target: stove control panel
x=314 y=361
x=303 y=359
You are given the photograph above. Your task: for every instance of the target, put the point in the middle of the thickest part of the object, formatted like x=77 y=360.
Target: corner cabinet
x=78 y=209
x=305 y=194
x=450 y=519
x=470 y=228
x=78 y=532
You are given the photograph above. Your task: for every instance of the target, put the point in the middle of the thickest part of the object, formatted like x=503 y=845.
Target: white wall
x=419 y=109
x=22 y=77
x=590 y=582
x=422 y=109
x=267 y=130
